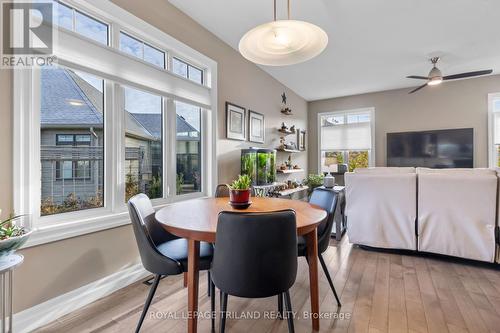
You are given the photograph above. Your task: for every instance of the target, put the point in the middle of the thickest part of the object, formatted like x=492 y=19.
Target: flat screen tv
x=452 y=148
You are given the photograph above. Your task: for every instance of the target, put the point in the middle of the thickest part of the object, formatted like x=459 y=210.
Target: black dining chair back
x=148 y=234
x=221 y=191
x=255 y=256
x=162 y=253
x=326 y=199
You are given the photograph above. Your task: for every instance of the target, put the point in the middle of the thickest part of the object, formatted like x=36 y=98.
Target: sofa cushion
x=381 y=209
x=457 y=171
x=457 y=214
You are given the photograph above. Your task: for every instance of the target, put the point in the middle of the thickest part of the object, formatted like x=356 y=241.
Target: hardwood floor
x=380 y=292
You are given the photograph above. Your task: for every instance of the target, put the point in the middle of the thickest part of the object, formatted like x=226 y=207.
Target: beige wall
x=56 y=268
x=459 y=104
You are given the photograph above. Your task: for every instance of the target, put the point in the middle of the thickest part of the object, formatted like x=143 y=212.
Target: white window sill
x=81 y=226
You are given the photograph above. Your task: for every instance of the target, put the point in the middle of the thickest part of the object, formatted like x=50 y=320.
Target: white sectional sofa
x=445 y=211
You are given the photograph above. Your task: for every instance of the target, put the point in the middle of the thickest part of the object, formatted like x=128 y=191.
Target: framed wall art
x=235 y=122
x=256 y=127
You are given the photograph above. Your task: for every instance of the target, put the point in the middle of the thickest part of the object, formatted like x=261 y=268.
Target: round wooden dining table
x=196 y=220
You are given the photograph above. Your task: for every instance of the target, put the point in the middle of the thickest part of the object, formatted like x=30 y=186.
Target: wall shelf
x=290 y=170
x=293 y=190
x=288 y=150
x=286 y=132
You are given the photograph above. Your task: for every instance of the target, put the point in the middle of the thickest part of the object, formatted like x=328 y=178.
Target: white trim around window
x=493 y=155
x=344 y=113
x=134 y=72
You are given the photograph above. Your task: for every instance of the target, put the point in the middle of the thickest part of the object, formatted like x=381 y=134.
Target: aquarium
x=259 y=164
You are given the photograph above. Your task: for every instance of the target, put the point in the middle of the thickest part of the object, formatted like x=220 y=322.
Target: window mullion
x=170 y=144
x=118 y=146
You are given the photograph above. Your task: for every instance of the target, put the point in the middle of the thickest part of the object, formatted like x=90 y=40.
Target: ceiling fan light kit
x=283 y=42
x=435 y=76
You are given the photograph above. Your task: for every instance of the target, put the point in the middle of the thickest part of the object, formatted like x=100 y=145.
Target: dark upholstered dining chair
x=326 y=199
x=221 y=191
x=255 y=256
x=162 y=253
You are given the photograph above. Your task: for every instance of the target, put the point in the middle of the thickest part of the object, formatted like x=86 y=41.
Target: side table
x=7 y=266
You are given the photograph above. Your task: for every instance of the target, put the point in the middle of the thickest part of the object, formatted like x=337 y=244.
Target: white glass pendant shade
x=283 y=42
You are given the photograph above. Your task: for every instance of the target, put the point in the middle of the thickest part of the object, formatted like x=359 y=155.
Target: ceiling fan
x=435 y=76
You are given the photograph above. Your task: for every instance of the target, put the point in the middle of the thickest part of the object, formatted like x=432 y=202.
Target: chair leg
x=280 y=306
x=212 y=304
x=151 y=294
x=325 y=269
x=289 y=314
x=223 y=309
x=209 y=283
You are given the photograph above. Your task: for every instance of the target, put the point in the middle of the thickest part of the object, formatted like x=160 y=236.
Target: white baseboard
x=46 y=312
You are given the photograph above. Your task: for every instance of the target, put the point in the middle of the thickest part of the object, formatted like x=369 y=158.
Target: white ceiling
x=373 y=44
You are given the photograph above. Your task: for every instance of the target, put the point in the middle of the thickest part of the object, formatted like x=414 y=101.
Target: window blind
x=348 y=136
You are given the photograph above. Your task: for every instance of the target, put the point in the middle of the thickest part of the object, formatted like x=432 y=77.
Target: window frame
x=144 y=43
x=493 y=153
x=26 y=143
x=187 y=70
x=345 y=114
x=74 y=9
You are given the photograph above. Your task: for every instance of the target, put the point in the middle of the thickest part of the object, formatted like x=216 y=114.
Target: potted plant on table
x=239 y=191
x=14 y=232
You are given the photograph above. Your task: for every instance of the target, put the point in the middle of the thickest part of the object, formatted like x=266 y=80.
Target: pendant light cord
x=288 y=9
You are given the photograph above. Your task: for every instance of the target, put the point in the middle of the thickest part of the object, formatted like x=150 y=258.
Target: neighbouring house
x=72 y=146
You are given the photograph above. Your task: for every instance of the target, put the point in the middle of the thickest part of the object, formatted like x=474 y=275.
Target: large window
x=101 y=126
x=346 y=138
x=71 y=140
x=143 y=144
x=494 y=130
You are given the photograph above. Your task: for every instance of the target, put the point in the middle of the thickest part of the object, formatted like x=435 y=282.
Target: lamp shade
x=283 y=42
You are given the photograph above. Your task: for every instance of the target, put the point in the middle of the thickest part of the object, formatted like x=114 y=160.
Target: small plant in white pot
x=14 y=232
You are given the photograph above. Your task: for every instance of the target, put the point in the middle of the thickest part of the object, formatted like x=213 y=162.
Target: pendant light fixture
x=283 y=42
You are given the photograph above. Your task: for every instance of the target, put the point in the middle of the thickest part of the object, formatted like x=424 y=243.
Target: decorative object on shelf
x=239 y=192
x=296 y=167
x=259 y=164
x=284 y=128
x=301 y=140
x=235 y=122
x=313 y=181
x=329 y=181
x=292 y=129
x=283 y=42
x=285 y=109
x=14 y=232
x=256 y=126
x=291 y=146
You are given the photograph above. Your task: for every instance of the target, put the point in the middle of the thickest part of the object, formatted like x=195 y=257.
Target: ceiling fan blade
x=417 y=89
x=417 y=77
x=469 y=74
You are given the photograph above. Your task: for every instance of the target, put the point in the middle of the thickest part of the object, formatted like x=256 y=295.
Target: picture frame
x=236 y=122
x=301 y=140
x=256 y=127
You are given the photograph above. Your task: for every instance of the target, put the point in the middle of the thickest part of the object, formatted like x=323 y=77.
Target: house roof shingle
x=65 y=85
